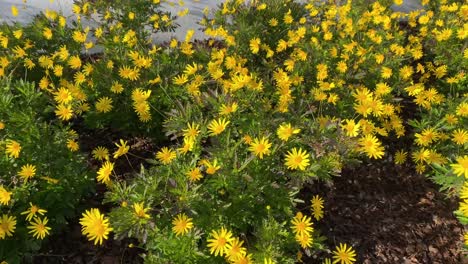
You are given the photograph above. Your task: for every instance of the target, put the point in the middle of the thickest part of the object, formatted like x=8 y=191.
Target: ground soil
x=388 y=214
x=391 y=215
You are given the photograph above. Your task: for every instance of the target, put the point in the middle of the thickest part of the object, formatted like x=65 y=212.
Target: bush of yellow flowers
x=42 y=178
x=284 y=94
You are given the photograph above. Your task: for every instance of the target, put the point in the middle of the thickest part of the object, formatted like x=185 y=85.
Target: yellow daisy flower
x=39 y=228
x=285 y=131
x=104 y=172
x=461 y=167
x=297 y=159
x=5 y=196
x=27 y=171
x=95 y=226
x=344 y=254
x=32 y=211
x=100 y=153
x=122 y=149
x=216 y=127
x=219 y=241
x=260 y=147
x=13 y=149
x=166 y=155
x=181 y=224
x=140 y=210
x=7 y=226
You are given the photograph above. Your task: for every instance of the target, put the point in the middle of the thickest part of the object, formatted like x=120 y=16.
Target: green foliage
x=61 y=178
x=284 y=95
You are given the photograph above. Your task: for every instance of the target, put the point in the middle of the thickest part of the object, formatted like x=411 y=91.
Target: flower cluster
x=283 y=94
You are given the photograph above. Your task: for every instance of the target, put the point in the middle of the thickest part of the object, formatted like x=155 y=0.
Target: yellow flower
x=244 y=259
x=317 y=207
x=72 y=145
x=47 y=33
x=27 y=171
x=344 y=255
x=180 y=79
x=58 y=70
x=122 y=149
x=7 y=226
x=464 y=191
x=5 y=196
x=426 y=137
x=351 y=128
x=406 y=72
x=13 y=149
x=228 y=109
x=14 y=10
x=191 y=70
x=463 y=207
x=297 y=159
x=462 y=109
x=32 y=211
x=191 y=131
x=255 y=45
x=100 y=153
x=166 y=155
x=64 y=112
x=262 y=6
x=181 y=224
x=39 y=228
x=194 y=174
x=116 y=87
x=105 y=171
x=129 y=73
x=301 y=224
x=460 y=136
x=260 y=147
x=235 y=250
x=386 y=72
x=187 y=146
x=74 y=62
x=398 y=2
x=219 y=241
x=421 y=155
x=211 y=168
x=370 y=145
x=18 y=33
x=273 y=22
x=304 y=239
x=341 y=66
x=461 y=167
x=285 y=131
x=216 y=127
x=95 y=226
x=400 y=157
x=104 y=104
x=140 y=210
x=79 y=37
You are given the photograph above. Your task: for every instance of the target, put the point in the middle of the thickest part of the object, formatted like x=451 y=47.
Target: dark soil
x=391 y=215
x=72 y=247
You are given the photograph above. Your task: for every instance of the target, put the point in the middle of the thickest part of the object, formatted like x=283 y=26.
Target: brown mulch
x=391 y=215
x=71 y=247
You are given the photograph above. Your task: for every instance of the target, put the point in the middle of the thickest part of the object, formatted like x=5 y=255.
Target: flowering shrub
x=285 y=94
x=42 y=177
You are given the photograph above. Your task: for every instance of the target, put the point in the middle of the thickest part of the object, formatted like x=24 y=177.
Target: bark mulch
x=391 y=215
